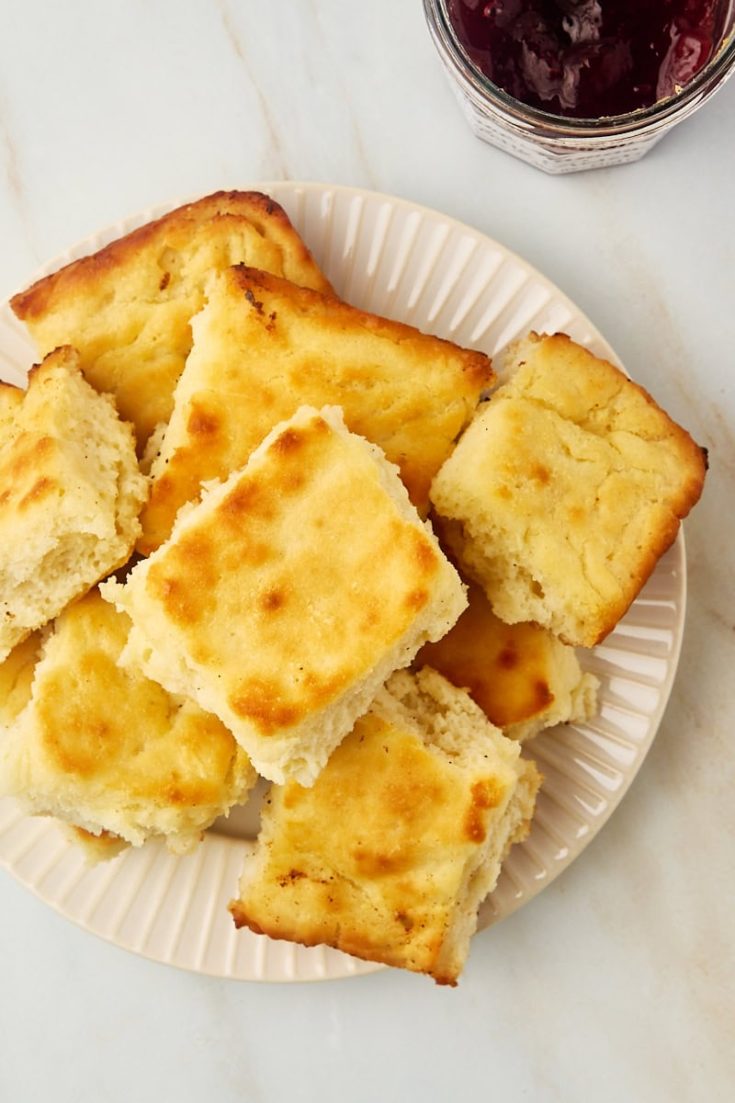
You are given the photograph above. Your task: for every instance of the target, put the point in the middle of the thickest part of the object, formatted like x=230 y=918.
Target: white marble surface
x=616 y=983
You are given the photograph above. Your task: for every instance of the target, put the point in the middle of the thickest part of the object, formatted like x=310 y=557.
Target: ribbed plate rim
x=333 y=965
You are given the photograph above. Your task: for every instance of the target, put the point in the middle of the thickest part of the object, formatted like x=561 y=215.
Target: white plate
x=409 y=263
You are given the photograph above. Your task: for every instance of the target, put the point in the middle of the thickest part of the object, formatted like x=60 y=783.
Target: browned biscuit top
x=263 y=347
x=266 y=216
x=566 y=489
x=127 y=307
x=506 y=668
x=373 y=858
x=275 y=591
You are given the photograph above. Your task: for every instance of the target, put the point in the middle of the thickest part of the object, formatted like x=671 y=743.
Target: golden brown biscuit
x=523 y=678
x=263 y=347
x=389 y=855
x=127 y=308
x=16 y=678
x=285 y=598
x=107 y=750
x=70 y=494
x=565 y=491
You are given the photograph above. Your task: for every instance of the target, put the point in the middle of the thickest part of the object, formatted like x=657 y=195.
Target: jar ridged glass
x=557 y=144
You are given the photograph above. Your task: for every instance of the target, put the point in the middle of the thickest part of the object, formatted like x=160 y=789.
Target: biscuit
x=127 y=307
x=565 y=490
x=284 y=599
x=70 y=494
x=16 y=678
x=390 y=854
x=263 y=347
x=523 y=678
x=106 y=750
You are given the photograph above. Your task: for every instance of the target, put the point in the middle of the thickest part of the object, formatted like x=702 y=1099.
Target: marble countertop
x=618 y=981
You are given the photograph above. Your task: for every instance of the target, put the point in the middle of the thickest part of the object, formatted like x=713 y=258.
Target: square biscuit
x=283 y=600
x=70 y=494
x=127 y=307
x=523 y=678
x=390 y=854
x=263 y=347
x=104 y=749
x=565 y=491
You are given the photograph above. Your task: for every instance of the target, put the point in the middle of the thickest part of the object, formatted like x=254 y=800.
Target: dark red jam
x=589 y=58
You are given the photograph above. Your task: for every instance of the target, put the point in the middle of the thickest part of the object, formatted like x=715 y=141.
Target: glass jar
x=558 y=144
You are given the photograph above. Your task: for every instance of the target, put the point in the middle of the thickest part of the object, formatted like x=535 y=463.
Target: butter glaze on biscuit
x=522 y=677
x=284 y=599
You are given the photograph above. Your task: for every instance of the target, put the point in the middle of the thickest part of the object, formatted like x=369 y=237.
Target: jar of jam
x=568 y=85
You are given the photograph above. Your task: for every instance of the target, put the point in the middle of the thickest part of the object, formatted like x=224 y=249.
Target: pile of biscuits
x=254 y=531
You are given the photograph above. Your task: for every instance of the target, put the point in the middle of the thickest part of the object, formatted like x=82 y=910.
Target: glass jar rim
x=719 y=66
